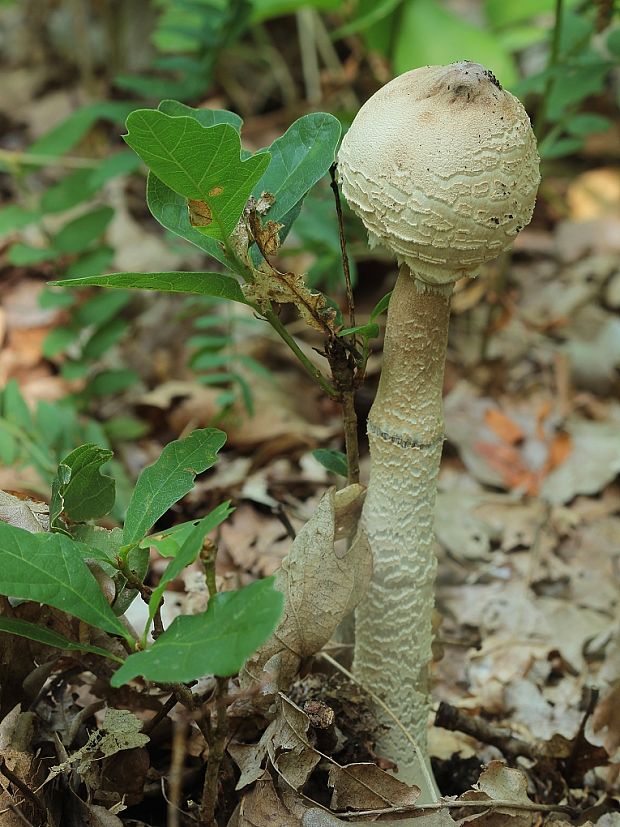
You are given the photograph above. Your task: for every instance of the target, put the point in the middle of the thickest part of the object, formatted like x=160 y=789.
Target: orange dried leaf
x=503 y=427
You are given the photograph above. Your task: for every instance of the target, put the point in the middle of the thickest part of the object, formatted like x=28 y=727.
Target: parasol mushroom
x=441 y=166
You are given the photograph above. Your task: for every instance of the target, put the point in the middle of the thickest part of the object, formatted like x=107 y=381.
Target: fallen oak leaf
x=321 y=585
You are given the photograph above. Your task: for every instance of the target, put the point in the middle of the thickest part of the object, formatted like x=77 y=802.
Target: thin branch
x=175 y=776
x=217 y=747
x=343 y=245
x=18 y=159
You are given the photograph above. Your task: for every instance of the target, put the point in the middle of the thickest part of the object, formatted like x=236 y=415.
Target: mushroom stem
x=405 y=429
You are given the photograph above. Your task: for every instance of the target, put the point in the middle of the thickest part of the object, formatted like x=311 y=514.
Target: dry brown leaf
x=31 y=515
x=321 y=585
x=498 y=782
x=290 y=288
x=262 y=807
x=367 y=787
x=606 y=722
x=285 y=742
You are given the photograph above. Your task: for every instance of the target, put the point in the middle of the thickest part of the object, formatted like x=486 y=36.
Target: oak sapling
x=441 y=166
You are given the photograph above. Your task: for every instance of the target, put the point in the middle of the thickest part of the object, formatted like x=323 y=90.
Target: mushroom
x=441 y=166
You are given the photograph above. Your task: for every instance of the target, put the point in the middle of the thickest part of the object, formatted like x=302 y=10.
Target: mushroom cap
x=441 y=166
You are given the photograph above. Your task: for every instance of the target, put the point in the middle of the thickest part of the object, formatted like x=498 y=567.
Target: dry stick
x=388 y=711
x=349 y=417
x=219 y=733
x=491 y=804
x=343 y=245
x=451 y=718
x=175 y=776
x=159 y=716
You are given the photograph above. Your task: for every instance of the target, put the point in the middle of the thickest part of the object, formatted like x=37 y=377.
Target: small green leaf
x=50 y=569
x=368 y=331
x=586 y=123
x=205 y=284
x=14 y=407
x=78 y=234
x=187 y=553
x=121 y=163
x=381 y=306
x=558 y=147
x=170 y=541
x=58 y=340
x=60 y=139
x=23 y=255
x=32 y=631
x=198 y=163
x=334 y=461
x=109 y=382
x=216 y=642
x=91 y=263
x=613 y=41
x=169 y=479
x=69 y=191
x=298 y=160
x=266 y=9
x=13 y=217
x=79 y=489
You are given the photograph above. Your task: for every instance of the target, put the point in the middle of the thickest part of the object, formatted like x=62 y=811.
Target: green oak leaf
x=216 y=642
x=32 y=631
x=200 y=163
x=50 y=569
x=169 y=478
x=299 y=159
x=79 y=489
x=204 y=284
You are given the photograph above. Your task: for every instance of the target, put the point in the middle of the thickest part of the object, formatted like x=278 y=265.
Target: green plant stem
x=145 y=593
x=208 y=556
x=541 y=112
x=314 y=372
x=19 y=159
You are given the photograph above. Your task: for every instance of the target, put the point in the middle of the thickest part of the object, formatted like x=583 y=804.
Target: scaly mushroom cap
x=441 y=166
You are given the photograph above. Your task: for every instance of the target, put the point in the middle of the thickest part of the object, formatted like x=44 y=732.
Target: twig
x=217 y=747
x=159 y=716
x=349 y=420
x=22 y=787
x=343 y=245
x=175 y=776
x=451 y=718
x=421 y=758
x=491 y=804
x=219 y=732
